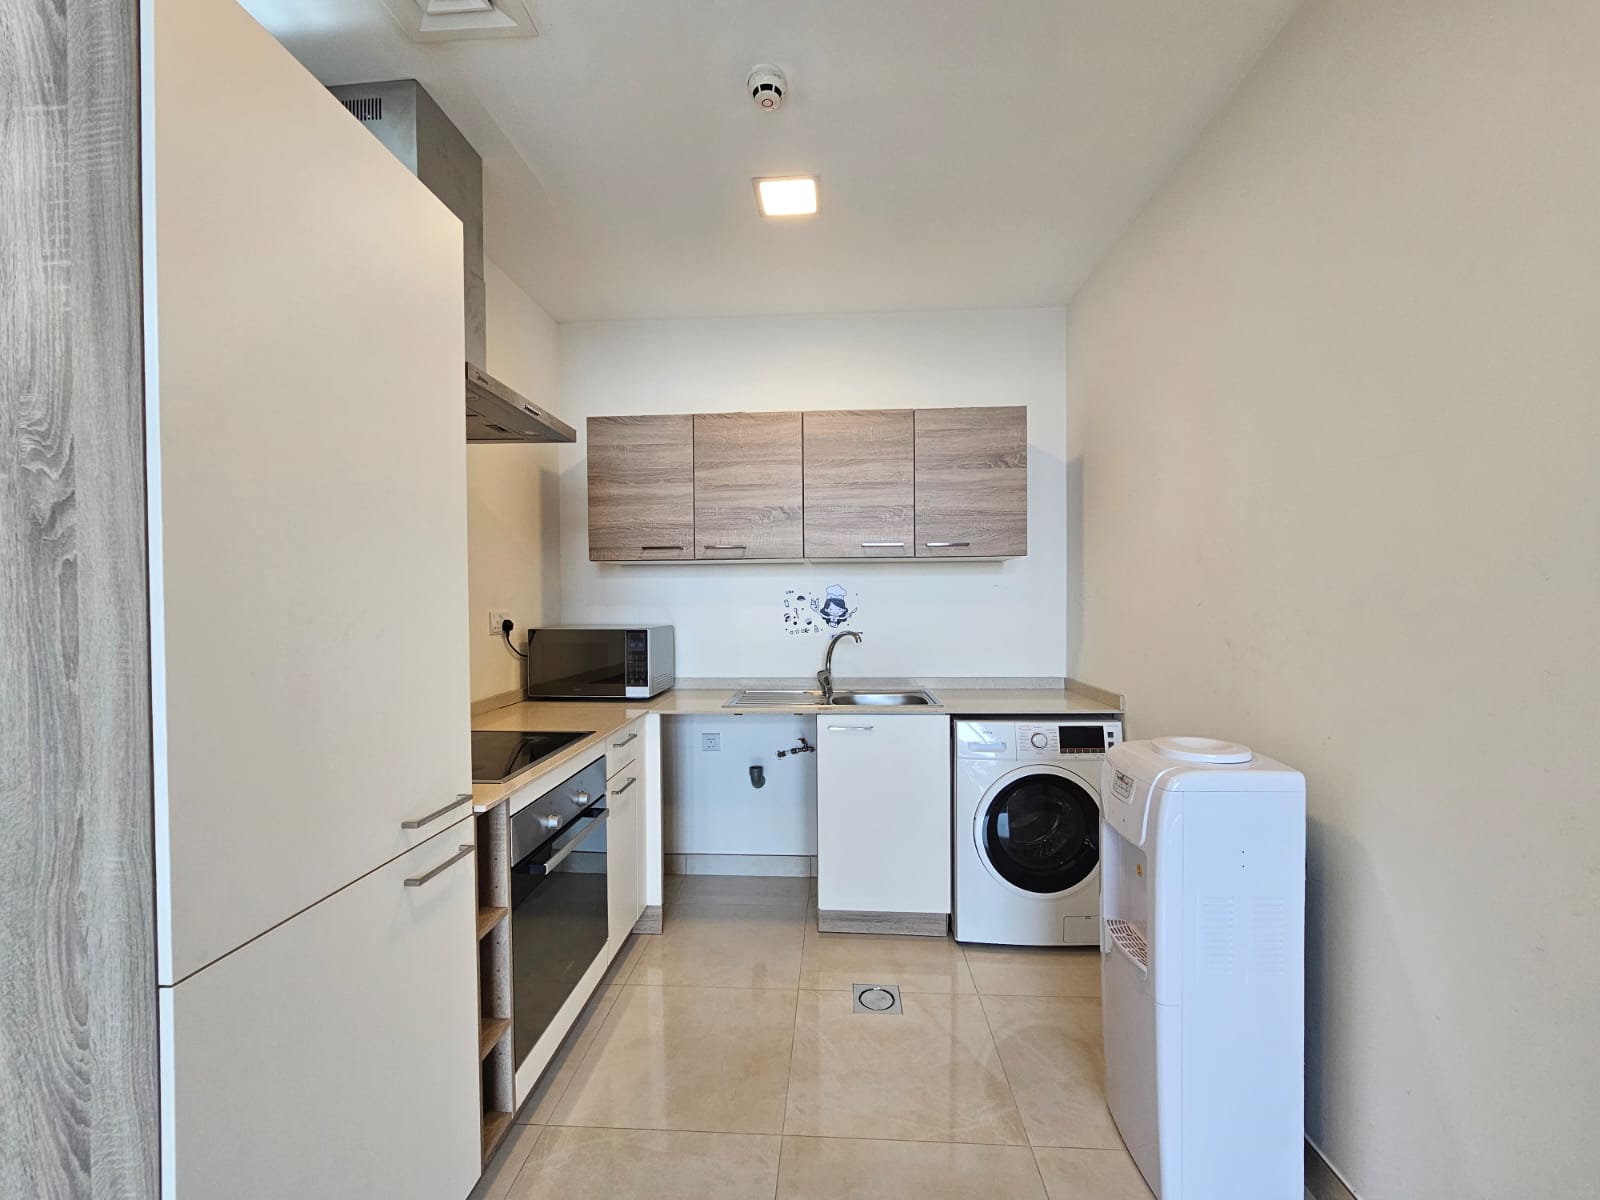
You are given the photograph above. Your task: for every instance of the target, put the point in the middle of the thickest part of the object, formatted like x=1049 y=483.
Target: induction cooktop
x=499 y=754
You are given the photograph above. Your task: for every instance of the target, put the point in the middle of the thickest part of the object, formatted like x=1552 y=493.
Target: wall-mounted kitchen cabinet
x=748 y=487
x=641 y=488
x=860 y=494
x=852 y=484
x=972 y=482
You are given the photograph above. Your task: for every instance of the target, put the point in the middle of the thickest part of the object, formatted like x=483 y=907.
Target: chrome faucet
x=825 y=676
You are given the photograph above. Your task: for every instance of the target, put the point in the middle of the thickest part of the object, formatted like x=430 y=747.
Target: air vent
x=365 y=108
x=457 y=20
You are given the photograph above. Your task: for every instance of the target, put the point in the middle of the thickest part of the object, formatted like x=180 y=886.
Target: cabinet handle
x=419 y=822
x=632 y=779
x=849 y=728
x=944 y=545
x=419 y=880
x=661 y=547
x=882 y=545
x=624 y=741
x=727 y=546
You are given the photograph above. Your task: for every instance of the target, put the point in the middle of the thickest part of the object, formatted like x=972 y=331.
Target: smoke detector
x=767 y=85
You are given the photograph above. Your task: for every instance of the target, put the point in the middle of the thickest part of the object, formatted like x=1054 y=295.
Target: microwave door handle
x=560 y=856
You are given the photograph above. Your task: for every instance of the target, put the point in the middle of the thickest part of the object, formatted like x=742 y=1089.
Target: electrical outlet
x=495 y=619
x=711 y=742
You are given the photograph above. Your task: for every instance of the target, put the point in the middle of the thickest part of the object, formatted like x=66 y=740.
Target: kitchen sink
x=885 y=699
x=778 y=698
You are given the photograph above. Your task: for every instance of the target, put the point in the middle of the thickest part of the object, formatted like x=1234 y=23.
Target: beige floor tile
x=917 y=964
x=1090 y=1175
x=931 y=1074
x=709 y=1059
x=1052 y=1053
x=836 y=1168
x=1015 y=971
x=611 y=1164
x=501 y=1170
x=786 y=893
x=723 y=945
x=541 y=1102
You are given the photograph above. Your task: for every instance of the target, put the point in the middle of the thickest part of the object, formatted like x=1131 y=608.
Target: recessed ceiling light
x=791 y=196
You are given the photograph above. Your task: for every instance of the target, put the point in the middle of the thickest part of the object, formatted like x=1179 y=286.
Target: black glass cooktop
x=500 y=754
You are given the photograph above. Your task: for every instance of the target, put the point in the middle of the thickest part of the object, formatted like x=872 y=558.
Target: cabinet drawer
x=336 y=1055
x=622 y=748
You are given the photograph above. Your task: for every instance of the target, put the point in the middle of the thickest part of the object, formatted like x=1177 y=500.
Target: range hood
x=401 y=115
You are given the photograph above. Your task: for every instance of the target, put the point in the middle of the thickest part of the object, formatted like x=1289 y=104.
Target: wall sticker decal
x=807 y=610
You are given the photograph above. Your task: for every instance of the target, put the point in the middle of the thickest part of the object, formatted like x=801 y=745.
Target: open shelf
x=495 y=1125
x=490 y=1031
x=488 y=918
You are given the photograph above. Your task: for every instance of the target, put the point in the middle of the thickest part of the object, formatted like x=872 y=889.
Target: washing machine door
x=1039 y=830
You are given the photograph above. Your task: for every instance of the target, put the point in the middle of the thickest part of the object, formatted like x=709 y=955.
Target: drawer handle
x=849 y=728
x=724 y=547
x=882 y=545
x=632 y=779
x=419 y=822
x=661 y=547
x=945 y=545
x=624 y=741
x=419 y=880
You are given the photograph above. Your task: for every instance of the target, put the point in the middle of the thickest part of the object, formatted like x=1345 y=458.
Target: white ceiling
x=971 y=154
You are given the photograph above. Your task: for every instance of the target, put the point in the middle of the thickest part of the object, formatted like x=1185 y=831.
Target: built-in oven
x=558 y=900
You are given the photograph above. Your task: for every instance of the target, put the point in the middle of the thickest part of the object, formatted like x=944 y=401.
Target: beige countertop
x=606 y=717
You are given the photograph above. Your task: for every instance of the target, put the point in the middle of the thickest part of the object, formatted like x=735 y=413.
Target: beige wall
x=1335 y=398
x=513 y=531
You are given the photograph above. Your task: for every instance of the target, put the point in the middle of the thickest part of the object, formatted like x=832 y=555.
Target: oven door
x=558 y=924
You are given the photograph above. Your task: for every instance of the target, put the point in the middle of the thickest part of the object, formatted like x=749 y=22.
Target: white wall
x=513 y=530
x=709 y=805
x=924 y=619
x=1339 y=429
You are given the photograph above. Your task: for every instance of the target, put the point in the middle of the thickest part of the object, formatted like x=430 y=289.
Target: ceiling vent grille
x=365 y=108
x=459 y=20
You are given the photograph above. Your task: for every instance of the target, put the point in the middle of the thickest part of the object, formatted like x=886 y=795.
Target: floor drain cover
x=876 y=997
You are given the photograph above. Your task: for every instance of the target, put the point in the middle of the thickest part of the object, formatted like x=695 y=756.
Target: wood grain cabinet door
x=748 y=486
x=860 y=484
x=972 y=482
x=641 y=488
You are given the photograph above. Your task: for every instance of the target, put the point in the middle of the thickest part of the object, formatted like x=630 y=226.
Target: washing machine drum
x=1041 y=833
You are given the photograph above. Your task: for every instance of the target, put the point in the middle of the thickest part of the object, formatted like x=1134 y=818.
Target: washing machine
x=1026 y=858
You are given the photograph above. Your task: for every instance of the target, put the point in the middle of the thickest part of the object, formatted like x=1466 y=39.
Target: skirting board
x=789 y=866
x=845 y=921
x=650 y=920
x=1322 y=1181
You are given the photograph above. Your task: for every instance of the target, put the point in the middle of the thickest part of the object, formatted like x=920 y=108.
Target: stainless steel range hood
x=401 y=115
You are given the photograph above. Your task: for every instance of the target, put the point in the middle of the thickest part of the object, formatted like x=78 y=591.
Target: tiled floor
x=722 y=1061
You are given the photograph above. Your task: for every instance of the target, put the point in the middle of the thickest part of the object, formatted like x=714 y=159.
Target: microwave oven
x=598 y=662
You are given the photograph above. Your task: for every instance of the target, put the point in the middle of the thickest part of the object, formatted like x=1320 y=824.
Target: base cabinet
x=625 y=827
x=883 y=814
x=335 y=1055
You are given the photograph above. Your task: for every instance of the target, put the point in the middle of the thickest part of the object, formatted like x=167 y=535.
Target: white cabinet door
x=624 y=839
x=883 y=813
x=309 y=573
x=336 y=1055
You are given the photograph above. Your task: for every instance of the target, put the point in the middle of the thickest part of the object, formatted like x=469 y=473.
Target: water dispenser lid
x=1202 y=750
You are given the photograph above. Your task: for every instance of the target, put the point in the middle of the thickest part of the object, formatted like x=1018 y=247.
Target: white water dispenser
x=1202 y=964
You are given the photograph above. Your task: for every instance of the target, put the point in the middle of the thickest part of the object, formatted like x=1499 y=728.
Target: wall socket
x=495 y=619
x=710 y=742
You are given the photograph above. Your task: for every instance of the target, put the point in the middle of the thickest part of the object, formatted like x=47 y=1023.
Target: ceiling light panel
x=789 y=196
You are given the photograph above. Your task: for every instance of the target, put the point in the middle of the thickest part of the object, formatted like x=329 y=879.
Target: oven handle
x=538 y=870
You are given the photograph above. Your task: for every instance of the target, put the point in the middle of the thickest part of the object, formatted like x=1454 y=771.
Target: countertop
x=606 y=717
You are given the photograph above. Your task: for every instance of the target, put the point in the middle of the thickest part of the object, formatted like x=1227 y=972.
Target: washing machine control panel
x=1066 y=739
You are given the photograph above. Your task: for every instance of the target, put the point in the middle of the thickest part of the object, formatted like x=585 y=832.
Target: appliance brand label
x=1122 y=787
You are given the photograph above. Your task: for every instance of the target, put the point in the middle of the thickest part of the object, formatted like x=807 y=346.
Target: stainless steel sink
x=887 y=699
x=799 y=698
